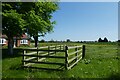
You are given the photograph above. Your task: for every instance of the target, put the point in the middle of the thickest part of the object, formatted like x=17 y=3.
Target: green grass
x=101 y=61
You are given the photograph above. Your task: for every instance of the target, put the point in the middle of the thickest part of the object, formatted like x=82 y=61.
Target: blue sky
x=85 y=21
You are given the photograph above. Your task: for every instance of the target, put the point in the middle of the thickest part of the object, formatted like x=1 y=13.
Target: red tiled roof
x=24 y=36
x=3 y=36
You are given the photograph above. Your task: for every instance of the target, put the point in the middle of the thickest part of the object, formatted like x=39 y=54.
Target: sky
x=85 y=21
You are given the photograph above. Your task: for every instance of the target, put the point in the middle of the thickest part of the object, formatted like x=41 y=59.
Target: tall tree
x=12 y=23
x=39 y=19
x=38 y=16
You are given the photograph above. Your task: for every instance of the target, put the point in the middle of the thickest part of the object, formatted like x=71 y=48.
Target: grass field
x=101 y=61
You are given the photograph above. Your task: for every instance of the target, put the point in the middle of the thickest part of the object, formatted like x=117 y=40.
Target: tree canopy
x=39 y=18
x=12 y=22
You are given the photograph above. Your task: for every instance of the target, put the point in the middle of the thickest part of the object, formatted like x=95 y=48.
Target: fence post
x=66 y=57
x=55 y=48
x=37 y=54
x=76 y=54
x=60 y=47
x=48 y=50
x=24 y=52
x=83 y=51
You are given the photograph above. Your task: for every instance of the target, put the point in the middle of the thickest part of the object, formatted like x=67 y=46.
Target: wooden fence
x=70 y=55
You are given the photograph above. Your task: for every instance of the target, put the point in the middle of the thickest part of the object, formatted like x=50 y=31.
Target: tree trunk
x=36 y=40
x=10 y=46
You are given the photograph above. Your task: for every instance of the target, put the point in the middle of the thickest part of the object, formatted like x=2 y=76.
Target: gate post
x=83 y=51
x=66 y=57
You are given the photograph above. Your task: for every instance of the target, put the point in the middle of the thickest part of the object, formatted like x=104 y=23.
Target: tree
x=39 y=19
x=12 y=24
x=99 y=40
x=68 y=40
x=31 y=17
x=105 y=39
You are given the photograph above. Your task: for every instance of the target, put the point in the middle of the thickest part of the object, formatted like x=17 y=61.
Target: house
x=3 y=40
x=18 y=41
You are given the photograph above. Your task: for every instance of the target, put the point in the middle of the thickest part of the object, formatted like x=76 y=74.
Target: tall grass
x=101 y=61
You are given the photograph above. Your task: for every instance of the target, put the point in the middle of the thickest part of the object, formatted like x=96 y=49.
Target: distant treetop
x=104 y=40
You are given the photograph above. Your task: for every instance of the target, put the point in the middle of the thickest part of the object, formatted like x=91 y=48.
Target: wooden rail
x=71 y=55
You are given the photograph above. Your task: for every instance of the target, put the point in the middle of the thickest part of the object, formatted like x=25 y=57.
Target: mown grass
x=101 y=61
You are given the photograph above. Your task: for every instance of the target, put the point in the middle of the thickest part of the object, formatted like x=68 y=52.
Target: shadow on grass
x=17 y=53
x=16 y=67
x=114 y=76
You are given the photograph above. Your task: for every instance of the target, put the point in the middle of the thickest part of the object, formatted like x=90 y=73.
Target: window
x=23 y=41
x=2 y=41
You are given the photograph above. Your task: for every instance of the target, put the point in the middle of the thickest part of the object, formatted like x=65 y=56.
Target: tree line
x=68 y=40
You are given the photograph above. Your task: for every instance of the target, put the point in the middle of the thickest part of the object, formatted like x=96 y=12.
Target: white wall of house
x=2 y=41
x=24 y=41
